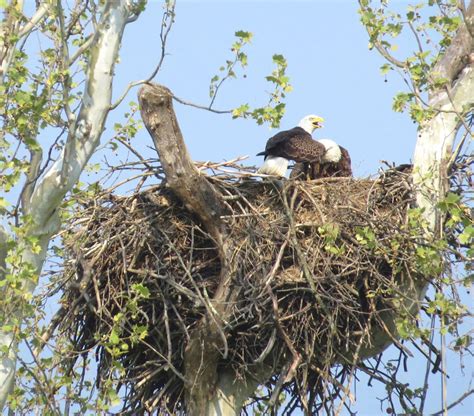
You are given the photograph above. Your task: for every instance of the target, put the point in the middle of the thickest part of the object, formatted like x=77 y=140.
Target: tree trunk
x=83 y=139
x=436 y=137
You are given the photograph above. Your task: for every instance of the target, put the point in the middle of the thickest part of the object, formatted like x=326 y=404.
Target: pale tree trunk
x=7 y=364
x=83 y=138
x=435 y=140
x=433 y=152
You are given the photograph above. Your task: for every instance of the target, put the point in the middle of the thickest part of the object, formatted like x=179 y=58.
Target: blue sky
x=333 y=75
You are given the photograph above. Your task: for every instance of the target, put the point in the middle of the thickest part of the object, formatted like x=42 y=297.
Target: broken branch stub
x=192 y=188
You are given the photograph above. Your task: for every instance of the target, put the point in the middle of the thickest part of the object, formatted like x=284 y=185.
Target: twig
x=453 y=404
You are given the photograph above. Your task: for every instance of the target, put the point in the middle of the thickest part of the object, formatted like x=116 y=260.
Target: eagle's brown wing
x=295 y=144
x=302 y=148
x=344 y=167
x=275 y=142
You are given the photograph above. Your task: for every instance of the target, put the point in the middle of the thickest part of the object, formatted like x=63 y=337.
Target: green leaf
x=452 y=198
x=385 y=68
x=141 y=289
x=114 y=337
x=279 y=59
x=3 y=203
x=463 y=342
x=240 y=111
x=245 y=36
x=467 y=235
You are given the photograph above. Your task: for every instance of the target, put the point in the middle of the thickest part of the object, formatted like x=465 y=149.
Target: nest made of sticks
x=315 y=265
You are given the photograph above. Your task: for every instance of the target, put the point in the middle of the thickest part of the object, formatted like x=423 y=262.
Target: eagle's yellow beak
x=317 y=122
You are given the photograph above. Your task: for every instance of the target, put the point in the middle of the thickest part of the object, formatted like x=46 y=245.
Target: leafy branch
x=420 y=70
x=273 y=110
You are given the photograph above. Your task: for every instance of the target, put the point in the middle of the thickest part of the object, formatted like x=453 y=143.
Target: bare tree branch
x=202 y=107
x=455 y=403
x=166 y=25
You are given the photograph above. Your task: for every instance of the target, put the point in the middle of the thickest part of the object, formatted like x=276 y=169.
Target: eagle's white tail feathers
x=274 y=166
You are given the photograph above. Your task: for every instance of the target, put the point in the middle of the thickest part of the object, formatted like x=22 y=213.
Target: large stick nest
x=316 y=265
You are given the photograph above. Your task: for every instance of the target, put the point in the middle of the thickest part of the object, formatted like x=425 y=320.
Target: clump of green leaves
x=274 y=110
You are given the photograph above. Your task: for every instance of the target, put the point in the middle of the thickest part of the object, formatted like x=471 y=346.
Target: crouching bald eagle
x=324 y=169
x=297 y=144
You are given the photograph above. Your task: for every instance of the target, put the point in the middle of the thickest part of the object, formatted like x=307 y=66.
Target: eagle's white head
x=333 y=151
x=311 y=123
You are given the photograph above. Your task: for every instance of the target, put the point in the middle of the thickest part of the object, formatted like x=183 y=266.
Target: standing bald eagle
x=297 y=144
x=315 y=170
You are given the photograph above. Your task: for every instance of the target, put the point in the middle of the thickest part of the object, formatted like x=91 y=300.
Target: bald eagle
x=315 y=170
x=297 y=144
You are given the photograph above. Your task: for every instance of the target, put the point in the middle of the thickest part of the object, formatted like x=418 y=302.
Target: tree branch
x=455 y=403
x=183 y=178
x=166 y=25
x=44 y=8
x=84 y=135
x=12 y=26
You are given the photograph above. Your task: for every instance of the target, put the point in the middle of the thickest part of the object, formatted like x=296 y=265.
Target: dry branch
x=156 y=106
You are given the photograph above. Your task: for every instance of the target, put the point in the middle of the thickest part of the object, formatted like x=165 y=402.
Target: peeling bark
x=459 y=53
